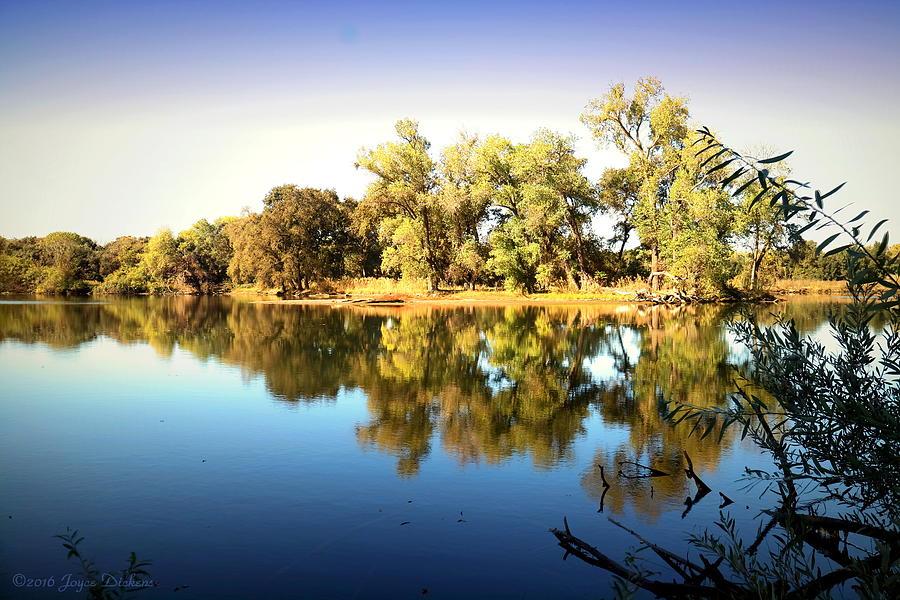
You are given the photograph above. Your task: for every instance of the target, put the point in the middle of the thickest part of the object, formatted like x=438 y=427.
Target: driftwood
x=679 y=297
x=651 y=472
x=606 y=487
x=701 y=487
x=720 y=587
x=708 y=581
x=603 y=477
x=383 y=301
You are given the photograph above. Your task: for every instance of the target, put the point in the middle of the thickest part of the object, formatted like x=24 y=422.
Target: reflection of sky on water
x=261 y=447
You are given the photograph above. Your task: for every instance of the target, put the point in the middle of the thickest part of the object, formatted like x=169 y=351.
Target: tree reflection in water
x=485 y=383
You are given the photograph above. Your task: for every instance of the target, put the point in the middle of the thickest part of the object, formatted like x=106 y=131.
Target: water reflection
x=484 y=383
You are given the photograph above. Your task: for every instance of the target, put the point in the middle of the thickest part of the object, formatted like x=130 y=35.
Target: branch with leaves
x=102 y=585
x=830 y=421
x=869 y=265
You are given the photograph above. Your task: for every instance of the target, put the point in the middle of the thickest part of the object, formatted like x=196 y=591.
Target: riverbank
x=417 y=290
x=503 y=298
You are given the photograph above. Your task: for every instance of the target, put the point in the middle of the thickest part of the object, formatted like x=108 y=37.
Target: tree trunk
x=429 y=253
x=654 y=267
x=579 y=250
x=625 y=235
x=754 y=270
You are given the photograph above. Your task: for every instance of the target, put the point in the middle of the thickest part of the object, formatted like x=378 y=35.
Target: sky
x=120 y=118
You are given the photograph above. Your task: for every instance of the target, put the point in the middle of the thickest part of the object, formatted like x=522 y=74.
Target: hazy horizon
x=123 y=119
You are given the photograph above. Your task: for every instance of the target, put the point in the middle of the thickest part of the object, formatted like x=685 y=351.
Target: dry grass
x=372 y=286
x=383 y=287
x=809 y=286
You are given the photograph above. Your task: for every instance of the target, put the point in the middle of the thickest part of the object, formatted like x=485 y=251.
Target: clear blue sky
x=123 y=117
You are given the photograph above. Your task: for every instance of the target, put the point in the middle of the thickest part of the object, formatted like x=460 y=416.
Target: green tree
x=299 y=238
x=124 y=251
x=619 y=194
x=160 y=263
x=70 y=260
x=466 y=208
x=760 y=226
x=541 y=204
x=20 y=268
x=549 y=166
x=404 y=194
x=650 y=128
x=205 y=252
x=699 y=228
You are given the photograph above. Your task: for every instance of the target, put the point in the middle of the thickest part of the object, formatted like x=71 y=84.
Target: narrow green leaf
x=803 y=184
x=826 y=194
x=757 y=198
x=713 y=157
x=733 y=176
x=709 y=147
x=805 y=228
x=836 y=250
x=826 y=242
x=750 y=182
x=779 y=197
x=874 y=229
x=720 y=166
x=858 y=217
x=775 y=159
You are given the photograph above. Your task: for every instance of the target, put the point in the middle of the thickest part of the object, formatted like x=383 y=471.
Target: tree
x=466 y=207
x=828 y=418
x=299 y=238
x=404 y=192
x=541 y=204
x=363 y=258
x=160 y=263
x=124 y=251
x=20 y=268
x=551 y=170
x=699 y=227
x=205 y=252
x=123 y=268
x=650 y=128
x=69 y=260
x=760 y=225
x=515 y=256
x=619 y=194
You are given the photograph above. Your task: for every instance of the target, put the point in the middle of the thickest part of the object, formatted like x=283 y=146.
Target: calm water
x=263 y=451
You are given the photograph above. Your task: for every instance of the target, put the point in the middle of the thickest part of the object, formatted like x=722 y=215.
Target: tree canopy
x=484 y=210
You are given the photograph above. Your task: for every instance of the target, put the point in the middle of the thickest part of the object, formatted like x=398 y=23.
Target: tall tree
x=620 y=190
x=205 y=252
x=70 y=260
x=649 y=127
x=161 y=263
x=300 y=237
x=761 y=226
x=405 y=192
x=466 y=208
x=124 y=251
x=549 y=166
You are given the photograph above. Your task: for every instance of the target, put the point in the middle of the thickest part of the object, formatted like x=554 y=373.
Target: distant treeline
x=484 y=212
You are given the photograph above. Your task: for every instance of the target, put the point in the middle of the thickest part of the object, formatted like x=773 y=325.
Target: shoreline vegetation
x=827 y=417
x=390 y=292
x=484 y=213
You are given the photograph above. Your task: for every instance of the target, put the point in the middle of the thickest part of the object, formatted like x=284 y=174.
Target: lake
x=259 y=450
